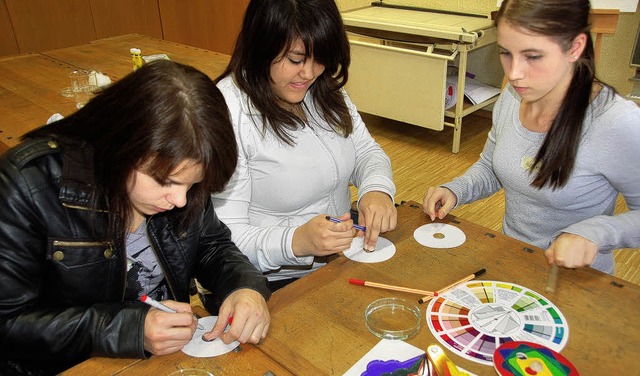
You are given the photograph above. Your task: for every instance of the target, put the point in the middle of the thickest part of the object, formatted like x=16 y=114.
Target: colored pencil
x=454 y=284
x=360 y=282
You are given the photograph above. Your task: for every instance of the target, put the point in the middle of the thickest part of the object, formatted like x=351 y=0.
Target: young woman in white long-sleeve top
x=301 y=142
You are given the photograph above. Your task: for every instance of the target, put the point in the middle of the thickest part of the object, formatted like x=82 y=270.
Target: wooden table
x=31 y=84
x=30 y=92
x=248 y=361
x=318 y=323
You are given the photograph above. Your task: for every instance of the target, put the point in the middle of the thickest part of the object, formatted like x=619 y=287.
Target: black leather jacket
x=62 y=282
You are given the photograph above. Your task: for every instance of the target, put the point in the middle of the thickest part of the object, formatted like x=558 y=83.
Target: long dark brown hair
x=153 y=119
x=562 y=20
x=269 y=29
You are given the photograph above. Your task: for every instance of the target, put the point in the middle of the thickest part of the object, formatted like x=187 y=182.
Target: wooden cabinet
x=399 y=63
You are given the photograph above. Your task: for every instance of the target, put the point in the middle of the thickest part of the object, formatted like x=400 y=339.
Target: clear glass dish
x=393 y=318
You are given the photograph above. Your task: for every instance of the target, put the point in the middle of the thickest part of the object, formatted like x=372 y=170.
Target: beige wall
x=615 y=54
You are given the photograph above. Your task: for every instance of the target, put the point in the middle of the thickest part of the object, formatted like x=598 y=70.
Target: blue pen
x=336 y=220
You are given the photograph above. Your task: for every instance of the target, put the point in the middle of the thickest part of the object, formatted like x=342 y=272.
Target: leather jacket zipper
x=78 y=207
x=63 y=243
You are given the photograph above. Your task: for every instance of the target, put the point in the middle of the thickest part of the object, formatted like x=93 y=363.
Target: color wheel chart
x=474 y=319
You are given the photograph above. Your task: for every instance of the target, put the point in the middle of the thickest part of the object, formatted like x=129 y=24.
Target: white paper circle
x=384 y=251
x=203 y=349
x=439 y=235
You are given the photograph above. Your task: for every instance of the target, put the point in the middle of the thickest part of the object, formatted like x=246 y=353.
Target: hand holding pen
x=322 y=237
x=336 y=220
x=167 y=329
x=357 y=227
x=156 y=304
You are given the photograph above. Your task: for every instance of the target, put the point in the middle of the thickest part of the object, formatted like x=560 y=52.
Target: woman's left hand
x=571 y=251
x=250 y=315
x=378 y=214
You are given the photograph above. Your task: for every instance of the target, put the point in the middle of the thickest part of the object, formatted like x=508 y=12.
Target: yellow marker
x=442 y=364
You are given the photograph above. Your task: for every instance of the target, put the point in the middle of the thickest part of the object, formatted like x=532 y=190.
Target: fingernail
x=207 y=340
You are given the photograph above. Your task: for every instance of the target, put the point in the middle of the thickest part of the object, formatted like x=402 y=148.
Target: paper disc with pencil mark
x=384 y=251
x=439 y=235
x=475 y=318
x=202 y=349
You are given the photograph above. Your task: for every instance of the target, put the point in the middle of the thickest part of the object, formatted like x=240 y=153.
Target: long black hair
x=269 y=29
x=153 y=119
x=563 y=21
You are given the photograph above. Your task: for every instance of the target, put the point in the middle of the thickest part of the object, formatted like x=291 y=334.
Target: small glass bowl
x=393 y=318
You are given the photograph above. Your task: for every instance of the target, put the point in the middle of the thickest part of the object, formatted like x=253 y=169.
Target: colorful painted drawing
x=531 y=359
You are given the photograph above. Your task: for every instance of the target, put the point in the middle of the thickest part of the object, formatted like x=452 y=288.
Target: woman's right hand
x=321 y=237
x=438 y=202
x=166 y=332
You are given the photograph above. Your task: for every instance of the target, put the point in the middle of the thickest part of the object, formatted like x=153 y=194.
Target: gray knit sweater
x=608 y=163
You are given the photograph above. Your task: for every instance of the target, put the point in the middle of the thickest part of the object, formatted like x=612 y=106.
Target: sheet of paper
x=387 y=353
x=439 y=235
x=474 y=90
x=202 y=349
x=385 y=249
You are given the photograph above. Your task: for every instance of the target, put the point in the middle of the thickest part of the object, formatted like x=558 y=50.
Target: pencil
x=360 y=282
x=553 y=279
x=357 y=227
x=454 y=284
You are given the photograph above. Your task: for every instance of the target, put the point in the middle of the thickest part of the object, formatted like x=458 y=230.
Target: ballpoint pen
x=357 y=227
x=156 y=304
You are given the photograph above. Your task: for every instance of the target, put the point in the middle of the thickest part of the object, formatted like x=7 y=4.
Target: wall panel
x=42 y=25
x=209 y=24
x=117 y=17
x=8 y=44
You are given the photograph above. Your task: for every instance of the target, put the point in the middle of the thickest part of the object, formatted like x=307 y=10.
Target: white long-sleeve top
x=607 y=163
x=278 y=187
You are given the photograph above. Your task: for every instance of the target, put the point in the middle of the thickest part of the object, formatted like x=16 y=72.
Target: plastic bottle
x=136 y=58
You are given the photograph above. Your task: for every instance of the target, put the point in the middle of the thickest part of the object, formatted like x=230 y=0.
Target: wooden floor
x=422 y=158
